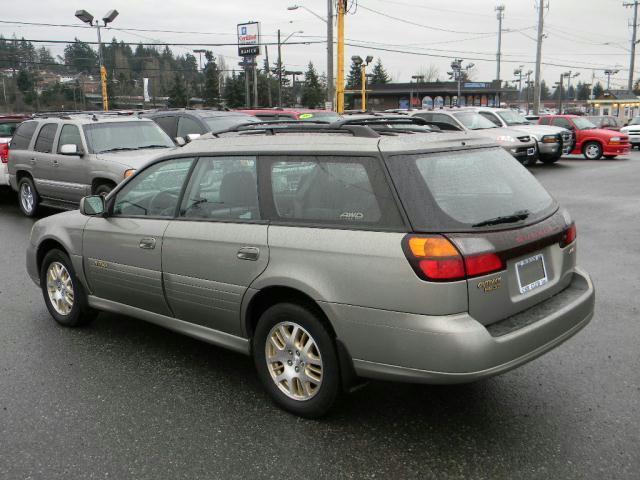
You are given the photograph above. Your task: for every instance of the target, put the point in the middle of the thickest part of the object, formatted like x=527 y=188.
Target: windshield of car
x=224 y=122
x=7 y=129
x=597 y=121
x=318 y=116
x=468 y=190
x=582 y=123
x=513 y=118
x=117 y=136
x=635 y=121
x=474 y=121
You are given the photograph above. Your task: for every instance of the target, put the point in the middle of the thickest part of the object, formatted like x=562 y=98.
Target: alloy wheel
x=294 y=361
x=26 y=197
x=60 y=288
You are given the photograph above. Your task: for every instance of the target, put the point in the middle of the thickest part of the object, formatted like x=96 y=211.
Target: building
x=432 y=94
x=620 y=103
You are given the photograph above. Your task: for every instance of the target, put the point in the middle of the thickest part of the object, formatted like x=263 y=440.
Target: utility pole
x=268 y=75
x=536 y=98
x=500 y=16
x=632 y=61
x=279 y=71
x=340 y=78
x=255 y=81
x=330 y=81
x=560 y=86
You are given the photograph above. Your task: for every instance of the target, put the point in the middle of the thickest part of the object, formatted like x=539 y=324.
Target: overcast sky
x=585 y=36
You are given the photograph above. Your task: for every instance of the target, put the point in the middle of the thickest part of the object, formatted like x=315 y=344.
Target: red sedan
x=591 y=141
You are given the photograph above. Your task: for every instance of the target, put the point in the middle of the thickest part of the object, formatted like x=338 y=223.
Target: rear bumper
x=457 y=348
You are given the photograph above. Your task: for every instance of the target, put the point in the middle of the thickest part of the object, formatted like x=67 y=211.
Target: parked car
x=608 y=122
x=8 y=125
x=633 y=131
x=187 y=123
x=57 y=160
x=328 y=255
x=302 y=114
x=521 y=145
x=591 y=141
x=552 y=141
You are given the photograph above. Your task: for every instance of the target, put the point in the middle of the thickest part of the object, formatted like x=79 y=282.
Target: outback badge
x=490 y=285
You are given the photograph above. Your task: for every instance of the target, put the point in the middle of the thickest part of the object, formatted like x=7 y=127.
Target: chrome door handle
x=148 y=243
x=249 y=253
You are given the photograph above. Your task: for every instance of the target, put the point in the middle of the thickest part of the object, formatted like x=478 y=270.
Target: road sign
x=249 y=39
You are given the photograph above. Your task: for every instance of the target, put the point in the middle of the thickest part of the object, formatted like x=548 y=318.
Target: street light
x=418 y=79
x=358 y=62
x=200 y=51
x=87 y=18
x=280 y=63
x=457 y=72
x=329 y=22
x=609 y=72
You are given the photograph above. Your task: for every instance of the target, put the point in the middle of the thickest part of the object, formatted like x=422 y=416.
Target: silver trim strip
x=214 y=337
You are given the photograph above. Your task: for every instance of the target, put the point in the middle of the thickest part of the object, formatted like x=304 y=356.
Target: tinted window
x=543 y=121
x=491 y=117
x=561 y=122
x=22 y=136
x=222 y=189
x=132 y=135
x=168 y=124
x=216 y=124
x=454 y=191
x=445 y=122
x=155 y=191
x=70 y=135
x=7 y=129
x=187 y=126
x=348 y=191
x=44 y=142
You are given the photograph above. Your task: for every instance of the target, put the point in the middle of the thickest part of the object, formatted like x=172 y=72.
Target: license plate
x=531 y=151
x=531 y=273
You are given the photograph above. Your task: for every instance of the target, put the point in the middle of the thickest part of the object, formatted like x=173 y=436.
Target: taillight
x=4 y=152
x=569 y=235
x=435 y=258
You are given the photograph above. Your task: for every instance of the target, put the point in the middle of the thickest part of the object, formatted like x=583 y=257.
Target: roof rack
x=94 y=114
x=366 y=126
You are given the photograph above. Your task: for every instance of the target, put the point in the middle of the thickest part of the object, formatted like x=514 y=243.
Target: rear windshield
x=117 y=136
x=7 y=128
x=318 y=116
x=468 y=190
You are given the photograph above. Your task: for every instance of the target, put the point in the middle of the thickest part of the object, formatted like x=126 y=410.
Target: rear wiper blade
x=514 y=217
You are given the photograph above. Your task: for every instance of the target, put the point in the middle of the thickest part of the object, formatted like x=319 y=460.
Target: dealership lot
x=125 y=399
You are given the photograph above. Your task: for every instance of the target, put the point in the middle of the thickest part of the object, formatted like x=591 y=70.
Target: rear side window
x=332 y=191
x=22 y=136
x=70 y=135
x=44 y=142
x=455 y=191
x=222 y=188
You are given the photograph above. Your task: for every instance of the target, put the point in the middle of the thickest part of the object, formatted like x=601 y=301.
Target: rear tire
x=63 y=293
x=304 y=375
x=592 y=151
x=28 y=198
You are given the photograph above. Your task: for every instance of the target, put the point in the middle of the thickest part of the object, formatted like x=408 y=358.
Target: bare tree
x=429 y=72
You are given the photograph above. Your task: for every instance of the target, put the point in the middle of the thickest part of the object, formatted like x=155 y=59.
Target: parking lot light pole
x=609 y=72
x=280 y=43
x=87 y=18
x=457 y=72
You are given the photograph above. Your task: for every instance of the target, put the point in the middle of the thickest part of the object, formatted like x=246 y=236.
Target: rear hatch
x=514 y=245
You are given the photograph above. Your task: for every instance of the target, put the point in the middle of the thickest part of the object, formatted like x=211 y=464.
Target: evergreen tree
x=81 y=56
x=178 y=96
x=380 y=75
x=24 y=82
x=211 y=93
x=354 y=79
x=313 y=93
x=234 y=94
x=598 y=90
x=545 y=93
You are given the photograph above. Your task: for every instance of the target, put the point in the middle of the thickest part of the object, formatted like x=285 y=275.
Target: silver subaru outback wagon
x=329 y=256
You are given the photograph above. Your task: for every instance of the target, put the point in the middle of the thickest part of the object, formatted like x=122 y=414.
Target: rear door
x=42 y=159
x=71 y=172
x=122 y=252
x=218 y=244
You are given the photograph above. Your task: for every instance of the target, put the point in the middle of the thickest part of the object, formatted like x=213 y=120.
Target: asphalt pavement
x=124 y=399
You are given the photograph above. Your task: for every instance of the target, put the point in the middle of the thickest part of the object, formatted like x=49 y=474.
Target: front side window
x=222 y=188
x=44 y=142
x=491 y=117
x=445 y=122
x=127 y=135
x=333 y=191
x=561 y=122
x=155 y=191
x=70 y=135
x=583 y=124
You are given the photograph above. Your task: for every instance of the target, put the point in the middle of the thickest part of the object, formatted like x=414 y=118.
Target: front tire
x=103 y=189
x=63 y=293
x=610 y=157
x=296 y=360
x=592 y=151
x=28 y=197
x=549 y=159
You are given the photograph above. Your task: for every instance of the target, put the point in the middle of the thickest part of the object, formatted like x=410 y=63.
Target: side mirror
x=69 y=149
x=192 y=136
x=92 y=206
x=179 y=141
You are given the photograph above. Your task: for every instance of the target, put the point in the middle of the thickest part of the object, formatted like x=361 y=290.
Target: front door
x=71 y=172
x=218 y=244
x=123 y=251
